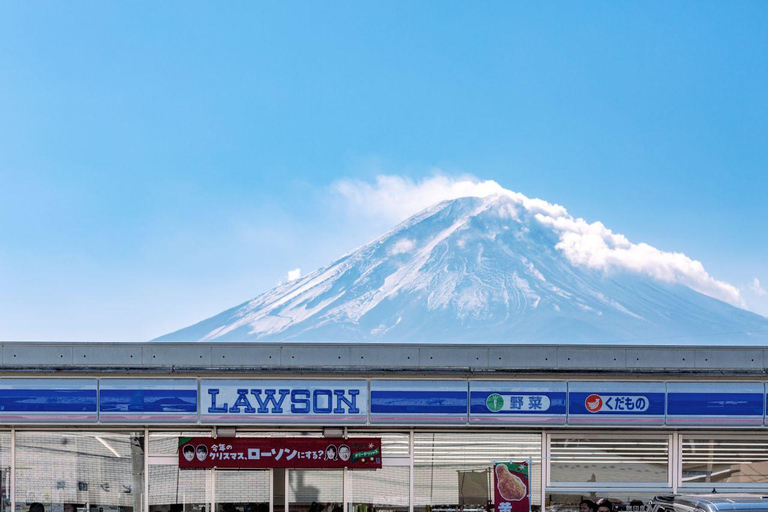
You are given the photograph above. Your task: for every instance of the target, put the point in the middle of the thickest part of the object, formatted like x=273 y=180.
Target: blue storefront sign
x=616 y=403
x=275 y=401
x=381 y=402
x=46 y=400
x=141 y=400
x=407 y=402
x=721 y=403
x=517 y=402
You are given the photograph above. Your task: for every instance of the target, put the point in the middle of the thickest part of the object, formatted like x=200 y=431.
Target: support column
x=278 y=491
x=411 y=478
x=675 y=460
x=13 y=470
x=271 y=490
x=544 y=469
x=139 y=466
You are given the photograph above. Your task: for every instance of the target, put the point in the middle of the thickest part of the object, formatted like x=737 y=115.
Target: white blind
x=741 y=460
x=594 y=459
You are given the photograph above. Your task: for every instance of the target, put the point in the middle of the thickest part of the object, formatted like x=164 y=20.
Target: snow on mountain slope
x=490 y=269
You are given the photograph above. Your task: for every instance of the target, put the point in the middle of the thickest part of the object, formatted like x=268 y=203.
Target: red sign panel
x=512 y=490
x=279 y=452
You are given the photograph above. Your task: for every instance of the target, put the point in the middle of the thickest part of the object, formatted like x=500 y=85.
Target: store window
x=386 y=488
x=242 y=491
x=597 y=461
x=454 y=471
x=175 y=490
x=315 y=490
x=735 y=461
x=381 y=489
x=393 y=444
x=167 y=443
x=5 y=471
x=80 y=471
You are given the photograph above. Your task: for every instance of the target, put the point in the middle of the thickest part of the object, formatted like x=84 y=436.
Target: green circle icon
x=494 y=402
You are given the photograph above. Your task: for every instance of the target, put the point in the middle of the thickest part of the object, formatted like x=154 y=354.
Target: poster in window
x=511 y=490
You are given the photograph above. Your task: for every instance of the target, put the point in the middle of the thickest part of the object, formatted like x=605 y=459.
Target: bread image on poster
x=509 y=485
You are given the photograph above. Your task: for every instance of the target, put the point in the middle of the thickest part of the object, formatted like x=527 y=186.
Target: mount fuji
x=496 y=269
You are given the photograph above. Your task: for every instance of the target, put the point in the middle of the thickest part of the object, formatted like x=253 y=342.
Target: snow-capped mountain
x=490 y=269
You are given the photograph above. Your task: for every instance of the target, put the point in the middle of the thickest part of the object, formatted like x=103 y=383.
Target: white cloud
x=396 y=198
x=757 y=288
x=293 y=274
x=596 y=246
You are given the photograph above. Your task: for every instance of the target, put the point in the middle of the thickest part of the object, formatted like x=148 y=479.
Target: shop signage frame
x=138 y=401
x=498 y=402
x=716 y=403
x=617 y=403
x=405 y=402
x=49 y=400
x=283 y=401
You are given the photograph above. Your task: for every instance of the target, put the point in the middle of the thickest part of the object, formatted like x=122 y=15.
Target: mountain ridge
x=468 y=270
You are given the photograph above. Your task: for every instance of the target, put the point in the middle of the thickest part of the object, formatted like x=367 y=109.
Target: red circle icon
x=594 y=403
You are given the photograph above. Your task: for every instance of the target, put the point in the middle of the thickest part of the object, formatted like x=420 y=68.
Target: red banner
x=512 y=491
x=279 y=452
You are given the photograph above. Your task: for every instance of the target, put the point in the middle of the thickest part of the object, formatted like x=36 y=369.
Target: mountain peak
x=497 y=268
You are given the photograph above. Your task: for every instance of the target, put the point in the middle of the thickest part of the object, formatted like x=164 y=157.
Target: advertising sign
x=512 y=490
x=326 y=402
x=279 y=452
x=518 y=402
x=405 y=402
x=611 y=403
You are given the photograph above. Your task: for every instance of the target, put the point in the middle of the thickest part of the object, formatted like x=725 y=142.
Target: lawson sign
x=324 y=402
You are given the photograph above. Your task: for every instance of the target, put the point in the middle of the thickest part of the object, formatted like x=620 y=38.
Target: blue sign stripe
x=694 y=403
x=48 y=400
x=148 y=400
x=715 y=404
x=478 y=403
x=419 y=402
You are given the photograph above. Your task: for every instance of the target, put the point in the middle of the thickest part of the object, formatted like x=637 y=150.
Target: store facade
x=103 y=437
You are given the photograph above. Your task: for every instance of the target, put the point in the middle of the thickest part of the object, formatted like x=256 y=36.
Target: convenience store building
x=95 y=427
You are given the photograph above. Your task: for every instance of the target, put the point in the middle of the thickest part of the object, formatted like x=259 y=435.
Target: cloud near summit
x=395 y=198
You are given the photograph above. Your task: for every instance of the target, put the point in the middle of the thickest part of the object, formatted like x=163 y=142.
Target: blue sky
x=160 y=162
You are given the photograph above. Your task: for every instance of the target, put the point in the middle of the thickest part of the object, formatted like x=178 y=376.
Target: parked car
x=708 y=503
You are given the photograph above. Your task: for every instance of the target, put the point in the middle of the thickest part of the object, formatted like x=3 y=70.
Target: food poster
x=511 y=490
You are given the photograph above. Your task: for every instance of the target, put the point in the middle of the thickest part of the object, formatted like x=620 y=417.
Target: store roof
x=293 y=357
